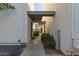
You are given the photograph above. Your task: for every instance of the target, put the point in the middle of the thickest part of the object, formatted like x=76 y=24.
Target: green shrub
x=48 y=40
x=52 y=40
x=36 y=33
x=6 y=6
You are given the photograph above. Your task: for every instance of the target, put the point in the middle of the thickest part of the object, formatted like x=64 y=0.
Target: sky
x=39 y=6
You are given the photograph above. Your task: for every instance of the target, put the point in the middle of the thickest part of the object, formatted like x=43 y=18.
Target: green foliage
x=36 y=33
x=48 y=40
x=6 y=6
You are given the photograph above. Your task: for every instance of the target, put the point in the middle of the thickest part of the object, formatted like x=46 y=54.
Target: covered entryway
x=36 y=17
x=36 y=48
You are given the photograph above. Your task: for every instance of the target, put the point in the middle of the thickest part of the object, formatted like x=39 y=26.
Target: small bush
x=48 y=40
x=36 y=33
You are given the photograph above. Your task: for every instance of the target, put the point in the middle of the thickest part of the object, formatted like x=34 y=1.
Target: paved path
x=34 y=49
x=53 y=52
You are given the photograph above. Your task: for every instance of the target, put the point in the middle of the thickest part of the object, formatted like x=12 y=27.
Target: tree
x=6 y=6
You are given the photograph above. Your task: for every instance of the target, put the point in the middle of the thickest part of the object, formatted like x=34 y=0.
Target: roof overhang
x=41 y=13
x=36 y=16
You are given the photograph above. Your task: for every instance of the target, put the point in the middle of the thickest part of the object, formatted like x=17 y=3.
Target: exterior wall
x=12 y=25
x=61 y=21
x=64 y=24
x=49 y=25
x=50 y=6
x=50 y=21
x=75 y=28
x=27 y=24
x=28 y=32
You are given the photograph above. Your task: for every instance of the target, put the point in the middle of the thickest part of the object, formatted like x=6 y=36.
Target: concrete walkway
x=34 y=49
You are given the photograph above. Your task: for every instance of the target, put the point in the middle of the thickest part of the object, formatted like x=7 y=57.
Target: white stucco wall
x=12 y=25
x=75 y=27
x=28 y=32
x=49 y=25
x=50 y=21
x=64 y=23
x=27 y=24
x=61 y=21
